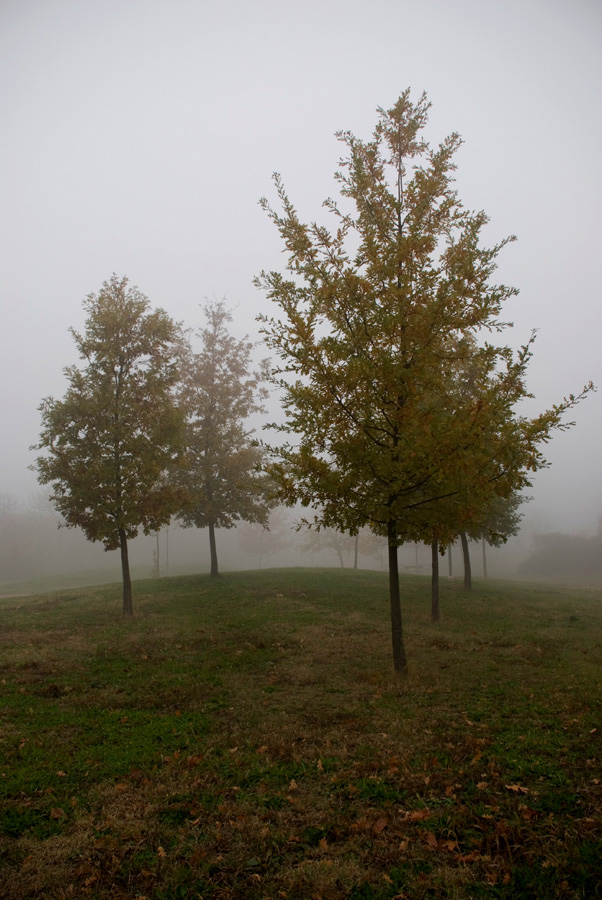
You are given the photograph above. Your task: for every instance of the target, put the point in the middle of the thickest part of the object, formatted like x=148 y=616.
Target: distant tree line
x=566 y=556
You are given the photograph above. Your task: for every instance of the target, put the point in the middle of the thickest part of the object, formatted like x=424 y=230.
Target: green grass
x=245 y=737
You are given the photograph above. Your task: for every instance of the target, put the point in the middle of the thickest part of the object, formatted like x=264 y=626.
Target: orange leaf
x=469 y=857
x=56 y=812
x=379 y=825
x=449 y=845
x=517 y=788
x=419 y=814
x=431 y=840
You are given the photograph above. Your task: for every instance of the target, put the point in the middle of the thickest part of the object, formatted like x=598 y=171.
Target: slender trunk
x=128 y=609
x=399 y=653
x=435 y=581
x=355 y=550
x=484 y=557
x=167 y=550
x=158 y=561
x=449 y=560
x=341 y=560
x=213 y=550
x=466 y=555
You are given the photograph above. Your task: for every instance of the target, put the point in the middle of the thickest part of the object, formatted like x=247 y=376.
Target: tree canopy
x=380 y=322
x=218 y=393
x=109 y=442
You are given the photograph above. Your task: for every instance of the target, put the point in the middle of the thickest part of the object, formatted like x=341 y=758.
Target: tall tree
x=222 y=476
x=108 y=443
x=371 y=318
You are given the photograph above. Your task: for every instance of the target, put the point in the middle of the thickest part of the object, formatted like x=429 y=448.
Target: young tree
x=222 y=476
x=110 y=440
x=371 y=319
x=327 y=540
x=261 y=540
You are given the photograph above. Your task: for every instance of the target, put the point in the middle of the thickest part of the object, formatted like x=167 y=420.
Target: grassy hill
x=246 y=737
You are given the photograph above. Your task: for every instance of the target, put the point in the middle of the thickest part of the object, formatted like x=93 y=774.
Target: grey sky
x=138 y=135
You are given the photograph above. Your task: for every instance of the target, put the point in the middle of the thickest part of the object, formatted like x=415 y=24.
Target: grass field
x=245 y=737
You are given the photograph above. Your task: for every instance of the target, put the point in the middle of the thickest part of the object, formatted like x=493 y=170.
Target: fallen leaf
x=517 y=788
x=323 y=844
x=528 y=813
x=418 y=814
x=431 y=840
x=194 y=761
x=449 y=845
x=379 y=825
x=161 y=852
x=56 y=812
x=469 y=857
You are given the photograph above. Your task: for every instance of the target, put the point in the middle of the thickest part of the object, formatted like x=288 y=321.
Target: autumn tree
x=371 y=316
x=109 y=442
x=222 y=476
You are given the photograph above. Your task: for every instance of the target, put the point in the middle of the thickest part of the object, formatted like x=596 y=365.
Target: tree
x=222 y=476
x=261 y=540
x=328 y=539
x=499 y=520
x=110 y=440
x=372 y=318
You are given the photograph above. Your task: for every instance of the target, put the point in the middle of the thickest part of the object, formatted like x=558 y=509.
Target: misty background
x=137 y=137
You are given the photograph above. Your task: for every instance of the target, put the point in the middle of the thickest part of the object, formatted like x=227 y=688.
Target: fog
x=137 y=138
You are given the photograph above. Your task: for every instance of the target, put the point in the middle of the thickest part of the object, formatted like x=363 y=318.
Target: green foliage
x=221 y=477
x=501 y=520
x=390 y=396
x=109 y=441
x=402 y=412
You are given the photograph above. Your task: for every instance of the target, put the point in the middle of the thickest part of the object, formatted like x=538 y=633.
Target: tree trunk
x=466 y=555
x=341 y=560
x=435 y=581
x=355 y=550
x=399 y=653
x=449 y=560
x=484 y=557
x=128 y=609
x=213 y=550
